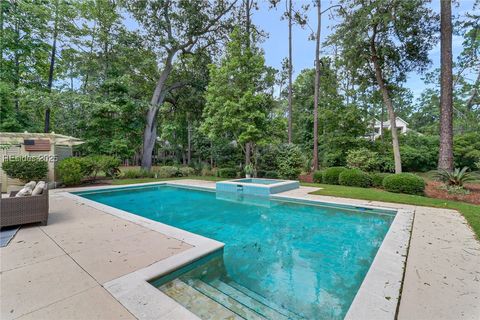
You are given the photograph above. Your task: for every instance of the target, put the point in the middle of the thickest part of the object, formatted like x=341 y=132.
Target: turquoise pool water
x=306 y=259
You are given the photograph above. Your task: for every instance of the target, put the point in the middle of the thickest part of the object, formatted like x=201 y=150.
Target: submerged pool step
x=195 y=301
x=285 y=312
x=225 y=300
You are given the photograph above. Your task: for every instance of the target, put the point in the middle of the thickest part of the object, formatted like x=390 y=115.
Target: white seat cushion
x=31 y=184
x=25 y=192
x=39 y=188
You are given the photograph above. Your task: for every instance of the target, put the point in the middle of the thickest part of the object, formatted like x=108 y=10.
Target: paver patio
x=57 y=271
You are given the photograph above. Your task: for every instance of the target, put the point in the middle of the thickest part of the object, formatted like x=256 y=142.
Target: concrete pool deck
x=59 y=271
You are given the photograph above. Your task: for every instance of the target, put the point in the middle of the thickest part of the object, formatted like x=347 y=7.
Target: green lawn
x=470 y=211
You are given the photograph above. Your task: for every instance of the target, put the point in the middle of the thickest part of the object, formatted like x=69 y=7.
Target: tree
x=445 y=155
x=383 y=40
x=237 y=104
x=174 y=26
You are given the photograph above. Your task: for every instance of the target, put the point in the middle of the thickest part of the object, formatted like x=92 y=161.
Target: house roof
x=387 y=123
x=57 y=139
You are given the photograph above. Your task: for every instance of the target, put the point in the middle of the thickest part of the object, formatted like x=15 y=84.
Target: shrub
x=25 y=169
x=331 y=175
x=261 y=173
x=227 y=173
x=166 y=172
x=355 y=178
x=456 y=177
x=318 y=176
x=290 y=161
x=71 y=171
x=249 y=169
x=377 y=178
x=271 y=175
x=363 y=159
x=137 y=173
x=93 y=165
x=404 y=183
x=186 y=171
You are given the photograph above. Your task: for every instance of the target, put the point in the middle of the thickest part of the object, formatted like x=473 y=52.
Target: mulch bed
x=308 y=178
x=434 y=190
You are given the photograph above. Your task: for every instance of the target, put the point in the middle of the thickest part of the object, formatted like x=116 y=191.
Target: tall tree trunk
x=388 y=103
x=290 y=71
x=445 y=155
x=248 y=152
x=150 y=131
x=52 y=68
x=189 y=141
x=317 y=87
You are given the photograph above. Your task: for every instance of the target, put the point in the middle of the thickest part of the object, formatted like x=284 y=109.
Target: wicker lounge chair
x=23 y=210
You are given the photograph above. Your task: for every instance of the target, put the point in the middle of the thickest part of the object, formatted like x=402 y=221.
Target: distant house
x=402 y=127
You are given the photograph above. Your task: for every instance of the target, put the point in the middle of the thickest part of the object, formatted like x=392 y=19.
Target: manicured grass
x=145 y=180
x=471 y=212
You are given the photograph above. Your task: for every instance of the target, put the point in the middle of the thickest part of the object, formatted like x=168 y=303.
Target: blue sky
x=276 y=45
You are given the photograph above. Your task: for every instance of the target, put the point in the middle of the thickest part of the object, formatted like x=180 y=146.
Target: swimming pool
x=296 y=258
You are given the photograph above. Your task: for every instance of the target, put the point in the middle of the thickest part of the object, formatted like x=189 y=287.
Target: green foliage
x=419 y=152
x=318 y=176
x=236 y=98
x=466 y=149
x=363 y=159
x=404 y=183
x=377 y=178
x=25 y=169
x=457 y=177
x=137 y=173
x=289 y=161
x=355 y=178
x=186 y=171
x=71 y=171
x=227 y=173
x=271 y=175
x=93 y=165
x=332 y=174
x=166 y=172
x=249 y=169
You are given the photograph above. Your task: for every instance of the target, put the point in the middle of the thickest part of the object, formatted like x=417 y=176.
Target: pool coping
x=377 y=297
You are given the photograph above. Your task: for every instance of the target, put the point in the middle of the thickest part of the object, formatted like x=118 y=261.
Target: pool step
x=260 y=299
x=228 y=302
x=198 y=303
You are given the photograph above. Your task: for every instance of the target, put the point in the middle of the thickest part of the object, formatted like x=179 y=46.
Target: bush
x=227 y=173
x=457 y=177
x=290 y=161
x=71 y=171
x=363 y=159
x=137 y=173
x=25 y=169
x=331 y=175
x=355 y=178
x=93 y=165
x=261 y=173
x=377 y=178
x=186 y=171
x=318 y=176
x=271 y=175
x=166 y=172
x=404 y=183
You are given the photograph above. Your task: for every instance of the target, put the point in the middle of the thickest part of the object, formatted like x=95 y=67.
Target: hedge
x=227 y=173
x=377 y=178
x=271 y=174
x=318 y=176
x=404 y=183
x=355 y=178
x=25 y=169
x=331 y=175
